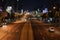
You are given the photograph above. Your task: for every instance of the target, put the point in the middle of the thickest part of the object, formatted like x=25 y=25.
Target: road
x=11 y=31
x=29 y=30
x=17 y=31
x=41 y=31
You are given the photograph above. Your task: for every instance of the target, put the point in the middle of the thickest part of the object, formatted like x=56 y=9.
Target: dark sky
x=34 y=4
x=31 y=4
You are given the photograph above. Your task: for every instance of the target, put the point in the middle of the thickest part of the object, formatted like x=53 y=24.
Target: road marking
x=26 y=33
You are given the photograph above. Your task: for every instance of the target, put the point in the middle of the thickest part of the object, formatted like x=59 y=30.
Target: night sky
x=31 y=4
x=34 y=4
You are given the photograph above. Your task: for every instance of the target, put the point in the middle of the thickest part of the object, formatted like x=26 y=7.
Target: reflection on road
x=29 y=30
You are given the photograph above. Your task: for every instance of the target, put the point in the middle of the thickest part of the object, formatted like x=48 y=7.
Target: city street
x=29 y=19
x=29 y=30
x=41 y=31
x=11 y=31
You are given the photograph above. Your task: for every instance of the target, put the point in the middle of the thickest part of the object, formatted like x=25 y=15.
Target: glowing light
x=9 y=8
x=45 y=10
x=22 y=11
x=54 y=7
x=38 y=9
x=50 y=19
x=4 y=26
x=51 y=28
x=28 y=13
x=23 y=19
x=0 y=10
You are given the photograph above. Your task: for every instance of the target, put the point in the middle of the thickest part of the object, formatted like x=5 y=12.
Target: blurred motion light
x=22 y=11
x=36 y=13
x=51 y=29
x=54 y=7
x=28 y=13
x=9 y=8
x=0 y=10
x=4 y=26
x=23 y=19
x=38 y=9
x=45 y=10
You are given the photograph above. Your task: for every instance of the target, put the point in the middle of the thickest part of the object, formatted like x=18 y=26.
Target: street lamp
x=54 y=7
x=9 y=8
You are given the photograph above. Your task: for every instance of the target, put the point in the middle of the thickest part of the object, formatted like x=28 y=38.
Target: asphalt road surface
x=17 y=31
x=29 y=30
x=41 y=31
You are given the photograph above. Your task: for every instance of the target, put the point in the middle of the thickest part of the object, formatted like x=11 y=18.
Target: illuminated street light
x=9 y=8
x=45 y=10
x=36 y=12
x=22 y=11
x=24 y=20
x=28 y=13
x=54 y=7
